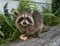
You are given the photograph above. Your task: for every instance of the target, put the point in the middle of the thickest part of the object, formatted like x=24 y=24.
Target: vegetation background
x=8 y=30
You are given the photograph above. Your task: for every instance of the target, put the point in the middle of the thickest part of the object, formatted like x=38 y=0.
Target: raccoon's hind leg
x=35 y=35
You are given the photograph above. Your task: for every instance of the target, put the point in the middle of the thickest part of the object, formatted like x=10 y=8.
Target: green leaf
x=1 y=33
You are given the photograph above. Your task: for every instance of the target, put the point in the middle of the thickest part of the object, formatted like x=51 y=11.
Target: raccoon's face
x=24 y=18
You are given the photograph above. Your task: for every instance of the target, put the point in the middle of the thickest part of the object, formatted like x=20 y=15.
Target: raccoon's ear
x=31 y=12
x=16 y=13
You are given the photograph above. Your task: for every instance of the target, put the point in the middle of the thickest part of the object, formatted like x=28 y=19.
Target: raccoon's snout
x=24 y=23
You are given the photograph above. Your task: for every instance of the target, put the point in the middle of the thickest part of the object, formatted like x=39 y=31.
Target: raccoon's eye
x=20 y=19
x=28 y=20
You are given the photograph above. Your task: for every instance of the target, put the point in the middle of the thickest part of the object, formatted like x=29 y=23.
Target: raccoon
x=29 y=22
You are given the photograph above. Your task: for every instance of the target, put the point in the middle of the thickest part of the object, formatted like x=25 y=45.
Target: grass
x=8 y=29
x=49 y=18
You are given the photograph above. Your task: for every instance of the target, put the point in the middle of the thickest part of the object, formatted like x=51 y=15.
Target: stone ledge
x=50 y=38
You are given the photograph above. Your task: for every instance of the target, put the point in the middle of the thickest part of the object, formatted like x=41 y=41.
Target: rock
x=50 y=38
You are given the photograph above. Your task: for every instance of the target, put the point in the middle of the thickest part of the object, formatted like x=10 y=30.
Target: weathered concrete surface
x=50 y=38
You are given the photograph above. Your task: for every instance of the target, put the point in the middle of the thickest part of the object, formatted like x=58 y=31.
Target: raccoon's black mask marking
x=28 y=20
x=22 y=18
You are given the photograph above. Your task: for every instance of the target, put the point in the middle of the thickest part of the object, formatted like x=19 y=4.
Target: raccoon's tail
x=45 y=28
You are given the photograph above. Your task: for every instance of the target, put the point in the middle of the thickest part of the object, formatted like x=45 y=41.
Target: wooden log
x=50 y=38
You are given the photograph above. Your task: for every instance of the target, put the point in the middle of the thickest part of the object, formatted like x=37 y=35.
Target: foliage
x=49 y=18
x=56 y=7
x=26 y=4
x=8 y=29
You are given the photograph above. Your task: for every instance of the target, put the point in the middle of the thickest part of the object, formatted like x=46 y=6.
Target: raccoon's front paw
x=23 y=37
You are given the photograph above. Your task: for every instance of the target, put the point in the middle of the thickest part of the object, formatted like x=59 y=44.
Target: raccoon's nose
x=24 y=23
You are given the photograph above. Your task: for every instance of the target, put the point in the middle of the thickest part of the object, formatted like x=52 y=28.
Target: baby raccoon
x=29 y=22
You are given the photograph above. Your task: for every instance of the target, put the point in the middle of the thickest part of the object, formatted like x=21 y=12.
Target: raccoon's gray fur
x=29 y=22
